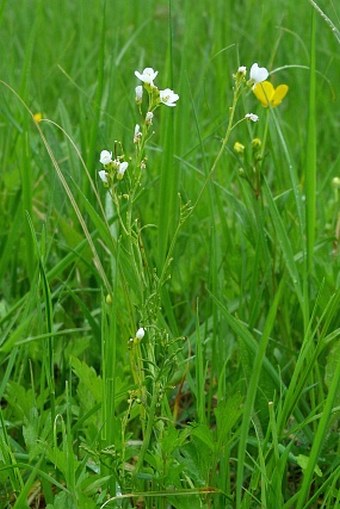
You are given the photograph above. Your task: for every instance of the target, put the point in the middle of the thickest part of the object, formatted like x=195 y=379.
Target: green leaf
x=205 y=435
x=90 y=382
x=302 y=461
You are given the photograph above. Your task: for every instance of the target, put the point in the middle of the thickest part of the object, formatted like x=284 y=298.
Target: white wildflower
x=252 y=117
x=105 y=157
x=168 y=97
x=147 y=76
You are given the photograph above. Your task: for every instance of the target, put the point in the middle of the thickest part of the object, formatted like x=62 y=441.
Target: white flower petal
x=122 y=167
x=139 y=93
x=103 y=176
x=258 y=74
x=105 y=157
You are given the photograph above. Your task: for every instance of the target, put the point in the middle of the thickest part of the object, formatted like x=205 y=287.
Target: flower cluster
x=166 y=96
x=264 y=90
x=115 y=168
x=257 y=75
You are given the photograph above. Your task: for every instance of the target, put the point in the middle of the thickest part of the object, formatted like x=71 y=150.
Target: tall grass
x=228 y=260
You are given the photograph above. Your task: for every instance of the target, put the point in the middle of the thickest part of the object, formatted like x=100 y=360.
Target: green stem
x=230 y=126
x=149 y=428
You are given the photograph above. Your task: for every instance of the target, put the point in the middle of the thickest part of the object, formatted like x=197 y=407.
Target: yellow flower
x=268 y=95
x=37 y=117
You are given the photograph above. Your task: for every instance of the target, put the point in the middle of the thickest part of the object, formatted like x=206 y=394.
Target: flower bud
x=252 y=117
x=336 y=182
x=149 y=118
x=137 y=135
x=122 y=169
x=139 y=94
x=238 y=147
x=140 y=334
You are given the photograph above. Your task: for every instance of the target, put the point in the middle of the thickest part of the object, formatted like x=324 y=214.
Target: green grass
x=228 y=260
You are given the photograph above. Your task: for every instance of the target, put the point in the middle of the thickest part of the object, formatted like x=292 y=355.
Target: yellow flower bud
x=238 y=147
x=256 y=143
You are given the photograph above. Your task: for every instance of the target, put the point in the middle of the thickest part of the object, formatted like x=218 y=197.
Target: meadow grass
x=172 y=343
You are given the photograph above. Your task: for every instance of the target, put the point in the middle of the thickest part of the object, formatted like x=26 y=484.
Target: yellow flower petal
x=264 y=91
x=268 y=95
x=279 y=94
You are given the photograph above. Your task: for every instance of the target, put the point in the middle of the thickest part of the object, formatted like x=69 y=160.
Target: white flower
x=149 y=118
x=252 y=117
x=168 y=97
x=147 y=76
x=103 y=176
x=139 y=94
x=137 y=135
x=242 y=70
x=105 y=157
x=122 y=167
x=140 y=333
x=258 y=74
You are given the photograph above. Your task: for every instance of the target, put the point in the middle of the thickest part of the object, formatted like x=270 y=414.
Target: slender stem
x=230 y=126
x=149 y=428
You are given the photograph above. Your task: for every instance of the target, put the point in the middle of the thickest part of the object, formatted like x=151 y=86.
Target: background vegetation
x=231 y=400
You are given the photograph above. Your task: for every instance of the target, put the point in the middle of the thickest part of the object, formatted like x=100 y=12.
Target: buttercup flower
x=37 y=117
x=168 y=97
x=147 y=76
x=258 y=74
x=105 y=157
x=252 y=117
x=268 y=95
x=139 y=94
x=122 y=167
x=103 y=176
